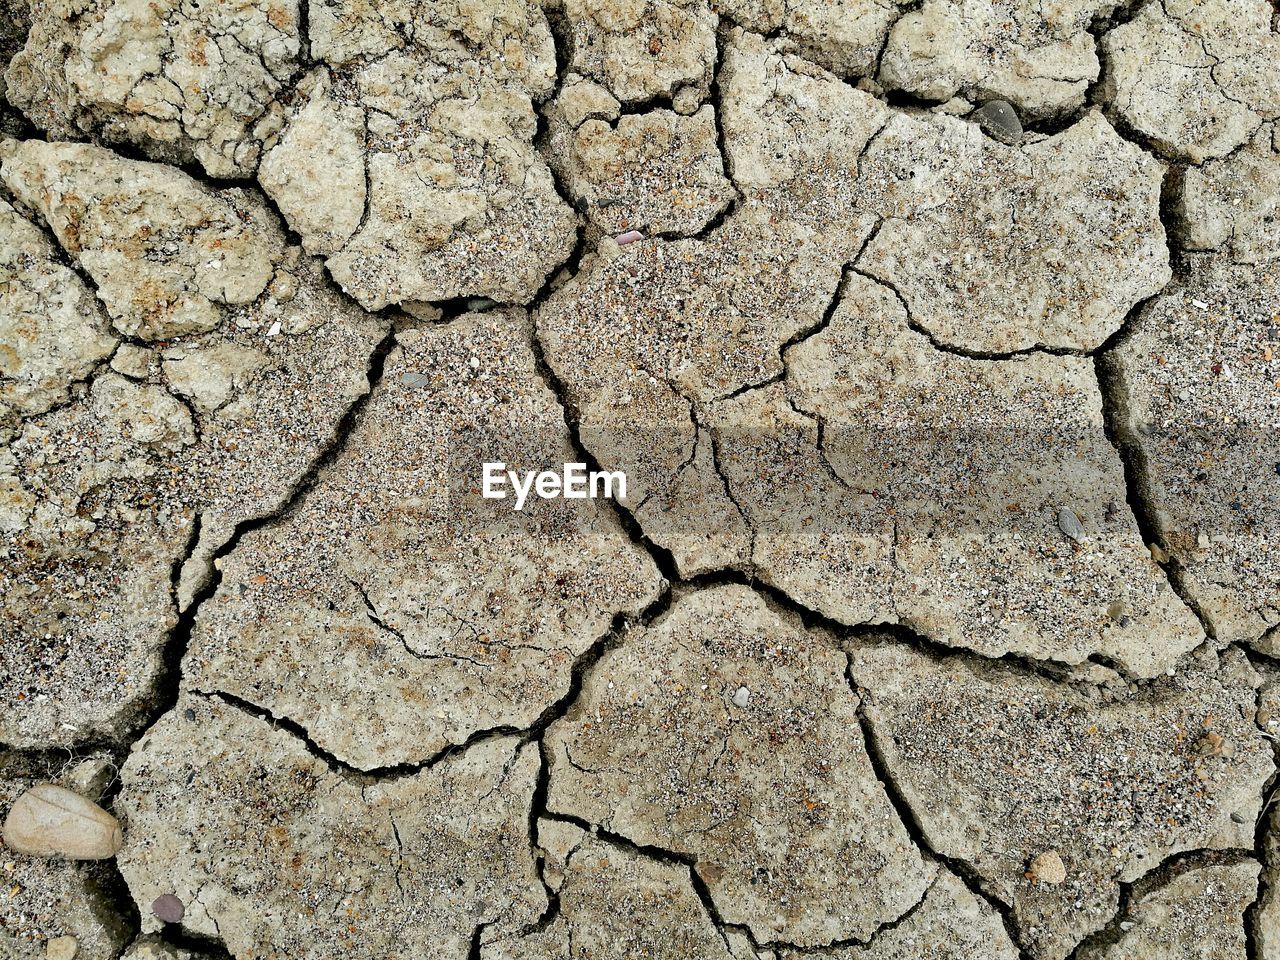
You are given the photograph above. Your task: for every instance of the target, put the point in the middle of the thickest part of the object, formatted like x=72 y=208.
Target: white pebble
x=1070 y=524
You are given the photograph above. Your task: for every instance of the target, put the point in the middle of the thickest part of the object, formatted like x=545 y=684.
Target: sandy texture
x=937 y=341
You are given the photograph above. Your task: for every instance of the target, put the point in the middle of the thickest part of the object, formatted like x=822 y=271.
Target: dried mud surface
x=939 y=343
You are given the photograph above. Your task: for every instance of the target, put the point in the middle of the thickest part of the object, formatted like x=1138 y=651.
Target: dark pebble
x=169 y=908
x=1000 y=120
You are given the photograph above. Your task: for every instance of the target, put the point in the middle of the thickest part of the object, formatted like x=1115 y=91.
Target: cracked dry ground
x=939 y=341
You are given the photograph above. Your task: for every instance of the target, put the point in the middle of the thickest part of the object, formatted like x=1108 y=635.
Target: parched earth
x=939 y=343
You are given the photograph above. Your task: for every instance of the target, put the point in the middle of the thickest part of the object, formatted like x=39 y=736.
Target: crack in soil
x=1132 y=892
x=169 y=681
x=967 y=873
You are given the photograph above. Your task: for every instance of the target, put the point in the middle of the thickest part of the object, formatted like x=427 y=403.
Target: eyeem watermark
x=574 y=482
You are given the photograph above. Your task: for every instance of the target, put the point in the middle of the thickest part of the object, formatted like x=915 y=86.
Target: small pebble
x=1048 y=868
x=50 y=821
x=61 y=948
x=1215 y=745
x=169 y=908
x=189 y=713
x=1000 y=120
x=741 y=697
x=631 y=236
x=1070 y=524
x=1238 y=818
x=415 y=380
x=284 y=288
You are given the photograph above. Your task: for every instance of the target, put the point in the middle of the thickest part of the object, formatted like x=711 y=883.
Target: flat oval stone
x=49 y=821
x=1000 y=120
x=1070 y=524
x=169 y=909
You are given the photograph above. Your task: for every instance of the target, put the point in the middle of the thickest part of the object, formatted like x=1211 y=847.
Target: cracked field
x=938 y=342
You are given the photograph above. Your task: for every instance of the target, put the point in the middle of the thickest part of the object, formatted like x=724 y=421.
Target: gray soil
x=939 y=343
